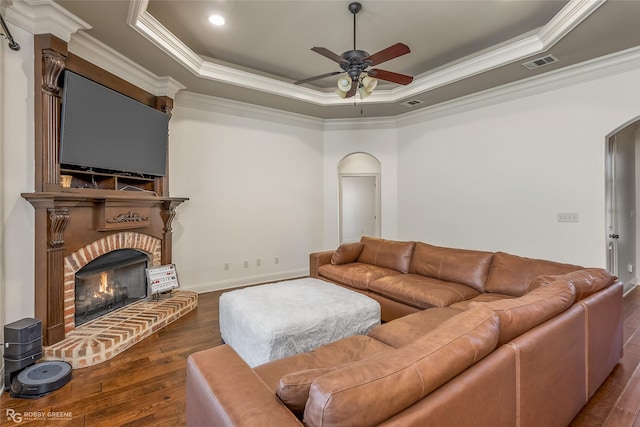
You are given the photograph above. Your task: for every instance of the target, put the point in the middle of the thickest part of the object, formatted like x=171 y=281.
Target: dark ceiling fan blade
x=391 y=52
x=321 y=76
x=352 y=91
x=328 y=54
x=390 y=76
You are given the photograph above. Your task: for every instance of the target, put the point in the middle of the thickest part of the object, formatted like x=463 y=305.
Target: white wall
x=378 y=138
x=495 y=177
x=254 y=179
x=16 y=176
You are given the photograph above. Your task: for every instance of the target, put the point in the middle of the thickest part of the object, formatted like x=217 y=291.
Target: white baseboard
x=244 y=281
x=629 y=286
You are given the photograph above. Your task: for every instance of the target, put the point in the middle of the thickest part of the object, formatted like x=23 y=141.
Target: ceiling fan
x=356 y=63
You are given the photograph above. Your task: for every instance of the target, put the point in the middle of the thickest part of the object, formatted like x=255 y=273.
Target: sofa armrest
x=222 y=390
x=317 y=259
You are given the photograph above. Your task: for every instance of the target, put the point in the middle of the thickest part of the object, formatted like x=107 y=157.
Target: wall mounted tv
x=103 y=129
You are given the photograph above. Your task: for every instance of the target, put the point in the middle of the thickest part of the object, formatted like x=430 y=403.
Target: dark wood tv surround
x=69 y=219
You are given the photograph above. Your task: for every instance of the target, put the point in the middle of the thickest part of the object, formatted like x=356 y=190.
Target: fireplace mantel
x=68 y=220
x=65 y=222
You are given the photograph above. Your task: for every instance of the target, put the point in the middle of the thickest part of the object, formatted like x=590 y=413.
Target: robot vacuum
x=40 y=379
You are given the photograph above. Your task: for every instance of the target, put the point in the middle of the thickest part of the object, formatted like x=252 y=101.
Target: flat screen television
x=103 y=129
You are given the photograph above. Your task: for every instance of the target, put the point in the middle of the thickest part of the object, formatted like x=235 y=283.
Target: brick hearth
x=103 y=338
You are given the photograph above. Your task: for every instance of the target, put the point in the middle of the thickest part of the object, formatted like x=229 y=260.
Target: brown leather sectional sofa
x=472 y=338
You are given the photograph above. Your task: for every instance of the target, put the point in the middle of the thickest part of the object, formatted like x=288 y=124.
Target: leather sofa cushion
x=386 y=253
x=586 y=282
x=519 y=315
x=347 y=252
x=421 y=291
x=293 y=388
x=463 y=305
x=337 y=353
x=464 y=266
x=355 y=274
x=406 y=329
x=379 y=387
x=512 y=274
x=291 y=377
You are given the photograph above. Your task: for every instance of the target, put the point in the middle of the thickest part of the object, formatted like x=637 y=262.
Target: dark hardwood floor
x=145 y=385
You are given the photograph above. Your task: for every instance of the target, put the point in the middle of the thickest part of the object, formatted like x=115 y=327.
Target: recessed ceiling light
x=216 y=20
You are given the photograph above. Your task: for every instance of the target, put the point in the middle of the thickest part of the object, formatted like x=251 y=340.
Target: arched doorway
x=359 y=195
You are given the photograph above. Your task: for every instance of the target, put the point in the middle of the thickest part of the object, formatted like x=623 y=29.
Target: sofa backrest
x=464 y=266
x=512 y=274
x=586 y=282
x=386 y=253
x=518 y=315
x=370 y=391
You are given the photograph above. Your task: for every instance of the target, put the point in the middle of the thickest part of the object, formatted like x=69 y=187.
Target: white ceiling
x=457 y=47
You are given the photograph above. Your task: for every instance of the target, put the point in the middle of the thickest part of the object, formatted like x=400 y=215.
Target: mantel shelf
x=97 y=196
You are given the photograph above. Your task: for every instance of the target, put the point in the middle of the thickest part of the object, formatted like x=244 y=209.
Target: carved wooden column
x=168 y=213
x=164 y=104
x=57 y=219
x=50 y=223
x=51 y=53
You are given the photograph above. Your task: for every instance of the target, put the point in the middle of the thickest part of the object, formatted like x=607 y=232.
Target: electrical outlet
x=246 y=264
x=226 y=265
x=567 y=217
x=630 y=268
x=277 y=260
x=258 y=262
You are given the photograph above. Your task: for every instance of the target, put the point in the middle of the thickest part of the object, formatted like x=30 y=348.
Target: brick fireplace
x=110 y=334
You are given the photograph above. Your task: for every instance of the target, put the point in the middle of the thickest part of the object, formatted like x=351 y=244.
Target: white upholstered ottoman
x=269 y=322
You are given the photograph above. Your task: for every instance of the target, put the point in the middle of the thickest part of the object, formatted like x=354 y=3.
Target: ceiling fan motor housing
x=354 y=63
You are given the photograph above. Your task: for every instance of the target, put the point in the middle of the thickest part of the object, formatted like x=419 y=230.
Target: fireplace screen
x=109 y=282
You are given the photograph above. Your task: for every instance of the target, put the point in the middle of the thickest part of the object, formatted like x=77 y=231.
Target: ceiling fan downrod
x=354 y=8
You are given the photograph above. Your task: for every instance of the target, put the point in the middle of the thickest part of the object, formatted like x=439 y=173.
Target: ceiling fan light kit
x=355 y=63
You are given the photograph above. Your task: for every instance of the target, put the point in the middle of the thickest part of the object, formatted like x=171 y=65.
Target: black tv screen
x=103 y=129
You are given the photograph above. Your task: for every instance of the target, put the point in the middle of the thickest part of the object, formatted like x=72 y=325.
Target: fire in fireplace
x=109 y=282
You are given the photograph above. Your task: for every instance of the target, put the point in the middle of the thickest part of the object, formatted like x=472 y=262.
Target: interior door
x=358 y=207
x=611 y=212
x=621 y=202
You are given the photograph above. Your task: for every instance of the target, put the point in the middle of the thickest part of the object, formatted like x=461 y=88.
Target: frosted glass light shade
x=369 y=83
x=344 y=84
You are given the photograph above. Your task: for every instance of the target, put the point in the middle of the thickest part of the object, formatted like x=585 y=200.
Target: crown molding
x=566 y=20
x=47 y=17
x=619 y=62
x=44 y=17
x=559 y=26
x=214 y=104
x=114 y=62
x=368 y=123
x=627 y=60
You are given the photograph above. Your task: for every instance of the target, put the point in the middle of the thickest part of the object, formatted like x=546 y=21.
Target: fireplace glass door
x=109 y=282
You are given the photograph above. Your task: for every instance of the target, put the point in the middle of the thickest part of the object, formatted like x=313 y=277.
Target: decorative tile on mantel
x=101 y=339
